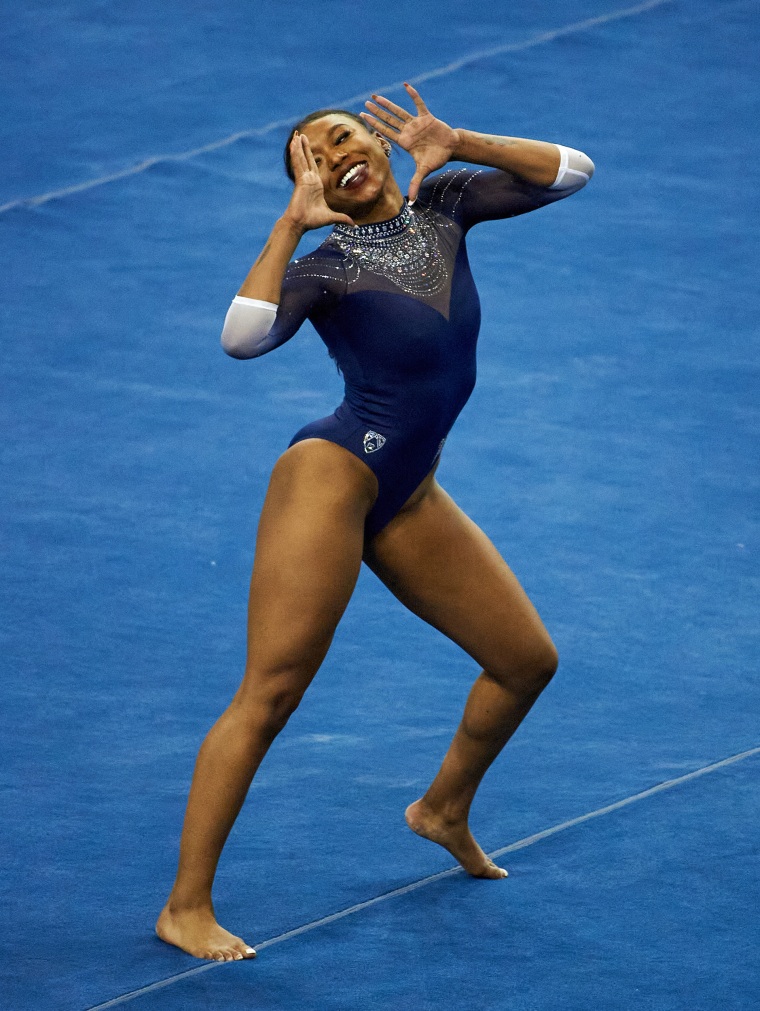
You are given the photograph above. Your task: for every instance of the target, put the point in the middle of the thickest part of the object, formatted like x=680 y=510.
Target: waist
x=419 y=407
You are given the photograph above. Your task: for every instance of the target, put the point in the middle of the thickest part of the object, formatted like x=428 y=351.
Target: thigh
x=308 y=555
x=446 y=570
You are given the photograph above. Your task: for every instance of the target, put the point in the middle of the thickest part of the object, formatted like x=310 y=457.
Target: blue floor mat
x=610 y=451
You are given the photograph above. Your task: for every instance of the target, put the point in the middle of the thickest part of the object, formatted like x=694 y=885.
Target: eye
x=341 y=137
x=318 y=160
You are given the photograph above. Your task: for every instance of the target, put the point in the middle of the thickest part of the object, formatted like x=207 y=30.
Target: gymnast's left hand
x=430 y=141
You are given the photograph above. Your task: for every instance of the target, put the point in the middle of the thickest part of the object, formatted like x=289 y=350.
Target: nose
x=337 y=158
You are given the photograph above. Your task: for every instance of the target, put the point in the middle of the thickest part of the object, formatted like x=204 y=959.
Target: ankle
x=450 y=812
x=178 y=905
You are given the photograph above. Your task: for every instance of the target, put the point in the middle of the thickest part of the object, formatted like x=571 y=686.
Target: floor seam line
x=448 y=68
x=450 y=872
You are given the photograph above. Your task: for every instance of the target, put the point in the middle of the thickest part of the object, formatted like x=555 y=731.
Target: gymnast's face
x=353 y=163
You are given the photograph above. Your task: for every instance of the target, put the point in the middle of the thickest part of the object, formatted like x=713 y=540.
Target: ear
x=384 y=144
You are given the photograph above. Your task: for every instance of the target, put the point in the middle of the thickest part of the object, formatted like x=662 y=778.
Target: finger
x=402 y=114
x=342 y=219
x=415 y=97
x=389 y=118
x=380 y=127
x=297 y=157
x=310 y=160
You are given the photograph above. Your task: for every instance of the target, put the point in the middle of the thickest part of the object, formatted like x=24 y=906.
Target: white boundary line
x=448 y=68
x=423 y=882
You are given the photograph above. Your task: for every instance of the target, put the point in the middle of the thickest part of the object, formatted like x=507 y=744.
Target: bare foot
x=453 y=836
x=197 y=932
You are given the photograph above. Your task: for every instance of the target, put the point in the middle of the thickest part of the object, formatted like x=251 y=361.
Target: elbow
x=575 y=171
x=246 y=327
x=236 y=347
x=586 y=166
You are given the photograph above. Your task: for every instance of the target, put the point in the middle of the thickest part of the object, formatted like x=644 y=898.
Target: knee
x=548 y=662
x=278 y=709
x=530 y=671
x=538 y=667
x=267 y=707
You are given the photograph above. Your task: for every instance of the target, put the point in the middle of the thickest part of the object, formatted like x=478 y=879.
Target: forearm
x=264 y=280
x=251 y=316
x=534 y=161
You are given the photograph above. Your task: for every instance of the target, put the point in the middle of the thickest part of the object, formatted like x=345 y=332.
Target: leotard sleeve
x=313 y=284
x=468 y=196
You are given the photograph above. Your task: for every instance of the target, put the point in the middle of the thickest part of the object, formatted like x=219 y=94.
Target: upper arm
x=252 y=328
x=469 y=196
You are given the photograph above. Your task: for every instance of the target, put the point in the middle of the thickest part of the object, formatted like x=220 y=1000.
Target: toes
x=498 y=872
x=242 y=950
x=236 y=954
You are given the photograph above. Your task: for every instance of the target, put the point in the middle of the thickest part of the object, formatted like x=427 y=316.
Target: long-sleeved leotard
x=397 y=307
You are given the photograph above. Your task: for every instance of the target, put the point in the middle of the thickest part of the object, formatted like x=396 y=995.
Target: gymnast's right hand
x=307 y=208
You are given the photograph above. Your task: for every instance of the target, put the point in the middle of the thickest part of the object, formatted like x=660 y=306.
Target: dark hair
x=310 y=119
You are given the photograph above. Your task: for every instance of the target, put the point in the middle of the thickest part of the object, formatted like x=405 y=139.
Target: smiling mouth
x=354 y=177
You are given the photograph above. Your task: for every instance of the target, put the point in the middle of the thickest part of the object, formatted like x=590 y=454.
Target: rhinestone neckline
x=404 y=250
x=379 y=229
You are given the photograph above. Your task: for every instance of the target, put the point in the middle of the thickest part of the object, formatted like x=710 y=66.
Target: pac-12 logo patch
x=373 y=441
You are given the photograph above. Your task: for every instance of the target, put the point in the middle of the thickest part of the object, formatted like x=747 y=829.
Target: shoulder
x=323 y=267
x=444 y=191
x=328 y=255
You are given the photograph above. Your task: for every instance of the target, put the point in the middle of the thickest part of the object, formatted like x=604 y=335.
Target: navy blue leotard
x=397 y=307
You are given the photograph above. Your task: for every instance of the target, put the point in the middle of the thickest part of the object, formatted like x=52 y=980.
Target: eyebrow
x=332 y=130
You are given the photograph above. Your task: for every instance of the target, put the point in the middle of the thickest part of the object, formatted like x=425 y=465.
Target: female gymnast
x=391 y=294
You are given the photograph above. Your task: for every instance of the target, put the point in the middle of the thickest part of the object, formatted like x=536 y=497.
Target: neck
x=387 y=206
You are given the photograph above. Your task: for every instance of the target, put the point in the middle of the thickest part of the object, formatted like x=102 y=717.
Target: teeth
x=350 y=174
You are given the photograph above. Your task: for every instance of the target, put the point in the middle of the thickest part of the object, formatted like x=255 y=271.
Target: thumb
x=343 y=219
x=414 y=185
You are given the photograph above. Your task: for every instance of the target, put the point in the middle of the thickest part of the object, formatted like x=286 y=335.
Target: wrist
x=290 y=226
x=458 y=150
